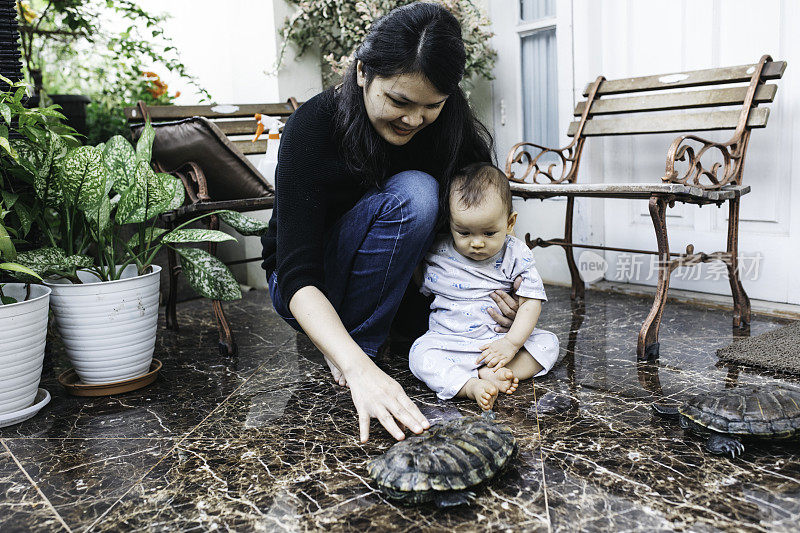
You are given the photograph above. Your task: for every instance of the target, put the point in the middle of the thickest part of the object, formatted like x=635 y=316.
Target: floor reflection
x=265 y=441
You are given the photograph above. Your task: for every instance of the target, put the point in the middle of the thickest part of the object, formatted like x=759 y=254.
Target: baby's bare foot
x=482 y=391
x=338 y=377
x=502 y=378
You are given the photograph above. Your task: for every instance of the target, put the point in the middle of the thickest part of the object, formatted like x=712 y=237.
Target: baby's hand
x=498 y=353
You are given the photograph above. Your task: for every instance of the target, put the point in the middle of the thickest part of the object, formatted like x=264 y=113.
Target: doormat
x=778 y=349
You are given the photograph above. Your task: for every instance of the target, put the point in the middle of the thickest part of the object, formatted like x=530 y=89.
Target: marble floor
x=266 y=442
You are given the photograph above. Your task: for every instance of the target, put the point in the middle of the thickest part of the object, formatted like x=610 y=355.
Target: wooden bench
x=205 y=147
x=695 y=179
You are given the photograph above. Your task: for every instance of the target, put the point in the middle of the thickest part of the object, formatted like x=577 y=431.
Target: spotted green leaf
x=119 y=158
x=46 y=261
x=178 y=192
x=208 y=276
x=150 y=195
x=38 y=161
x=197 y=235
x=83 y=178
x=244 y=224
x=144 y=147
x=24 y=216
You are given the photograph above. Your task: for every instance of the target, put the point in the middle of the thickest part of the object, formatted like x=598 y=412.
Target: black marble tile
x=22 y=508
x=83 y=478
x=268 y=442
x=194 y=379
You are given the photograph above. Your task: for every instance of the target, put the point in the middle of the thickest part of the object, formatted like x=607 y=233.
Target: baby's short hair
x=472 y=183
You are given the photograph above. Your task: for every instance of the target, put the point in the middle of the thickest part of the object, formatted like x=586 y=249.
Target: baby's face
x=480 y=231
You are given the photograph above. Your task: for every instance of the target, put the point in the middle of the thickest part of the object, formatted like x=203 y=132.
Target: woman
x=359 y=171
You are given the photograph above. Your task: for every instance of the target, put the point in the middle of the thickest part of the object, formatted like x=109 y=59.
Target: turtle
x=727 y=415
x=441 y=464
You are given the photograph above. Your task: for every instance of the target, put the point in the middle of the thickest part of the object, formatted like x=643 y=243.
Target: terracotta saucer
x=72 y=383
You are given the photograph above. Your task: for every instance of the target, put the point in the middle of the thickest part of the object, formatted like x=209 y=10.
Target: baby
x=462 y=354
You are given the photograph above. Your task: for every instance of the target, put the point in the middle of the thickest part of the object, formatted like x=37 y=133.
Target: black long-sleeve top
x=314 y=189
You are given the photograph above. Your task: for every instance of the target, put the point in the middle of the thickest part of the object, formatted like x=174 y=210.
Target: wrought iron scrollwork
x=566 y=161
x=720 y=174
x=568 y=157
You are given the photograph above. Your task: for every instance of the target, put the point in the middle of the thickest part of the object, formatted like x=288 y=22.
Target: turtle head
x=489 y=415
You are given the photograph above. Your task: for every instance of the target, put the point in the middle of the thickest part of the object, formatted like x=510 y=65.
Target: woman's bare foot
x=482 y=391
x=338 y=377
x=502 y=378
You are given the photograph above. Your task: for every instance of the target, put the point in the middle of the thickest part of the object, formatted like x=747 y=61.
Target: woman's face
x=400 y=106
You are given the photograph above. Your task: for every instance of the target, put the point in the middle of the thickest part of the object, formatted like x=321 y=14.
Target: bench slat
x=249 y=147
x=772 y=71
x=673 y=122
x=237 y=127
x=176 y=112
x=683 y=100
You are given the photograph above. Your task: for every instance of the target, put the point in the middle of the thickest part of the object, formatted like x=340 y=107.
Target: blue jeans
x=370 y=254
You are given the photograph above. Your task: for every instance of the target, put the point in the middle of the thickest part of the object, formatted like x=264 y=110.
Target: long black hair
x=419 y=38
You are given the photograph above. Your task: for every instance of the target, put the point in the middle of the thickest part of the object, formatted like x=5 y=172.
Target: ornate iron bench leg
x=174 y=270
x=647 y=348
x=227 y=344
x=741 y=303
x=578 y=288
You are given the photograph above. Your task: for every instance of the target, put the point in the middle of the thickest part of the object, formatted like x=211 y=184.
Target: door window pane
x=540 y=88
x=530 y=10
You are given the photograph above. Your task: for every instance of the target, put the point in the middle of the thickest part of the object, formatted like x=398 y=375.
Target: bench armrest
x=726 y=168
x=567 y=162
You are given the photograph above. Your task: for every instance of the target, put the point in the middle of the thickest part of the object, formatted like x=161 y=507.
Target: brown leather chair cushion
x=229 y=174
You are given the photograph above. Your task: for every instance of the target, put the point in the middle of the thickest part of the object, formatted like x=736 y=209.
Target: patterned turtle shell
x=450 y=456
x=769 y=413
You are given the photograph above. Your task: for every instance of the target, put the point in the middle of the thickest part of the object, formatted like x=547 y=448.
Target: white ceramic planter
x=108 y=327
x=23 y=330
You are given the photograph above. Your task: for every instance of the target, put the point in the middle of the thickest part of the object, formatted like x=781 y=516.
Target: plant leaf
x=45 y=261
x=9 y=198
x=7 y=249
x=83 y=178
x=178 y=192
x=8 y=148
x=5 y=111
x=39 y=162
x=24 y=216
x=16 y=267
x=144 y=147
x=120 y=160
x=208 y=276
x=198 y=235
x=150 y=234
x=245 y=225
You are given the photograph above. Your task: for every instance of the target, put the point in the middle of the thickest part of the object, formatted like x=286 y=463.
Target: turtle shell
x=453 y=455
x=773 y=412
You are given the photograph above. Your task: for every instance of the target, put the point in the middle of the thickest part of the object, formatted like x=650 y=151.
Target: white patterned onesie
x=444 y=358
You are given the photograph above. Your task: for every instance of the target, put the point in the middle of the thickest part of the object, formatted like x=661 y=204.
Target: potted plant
x=23 y=306
x=105 y=287
x=23 y=328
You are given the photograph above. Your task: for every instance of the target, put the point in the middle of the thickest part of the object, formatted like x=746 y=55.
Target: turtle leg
x=723 y=444
x=453 y=498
